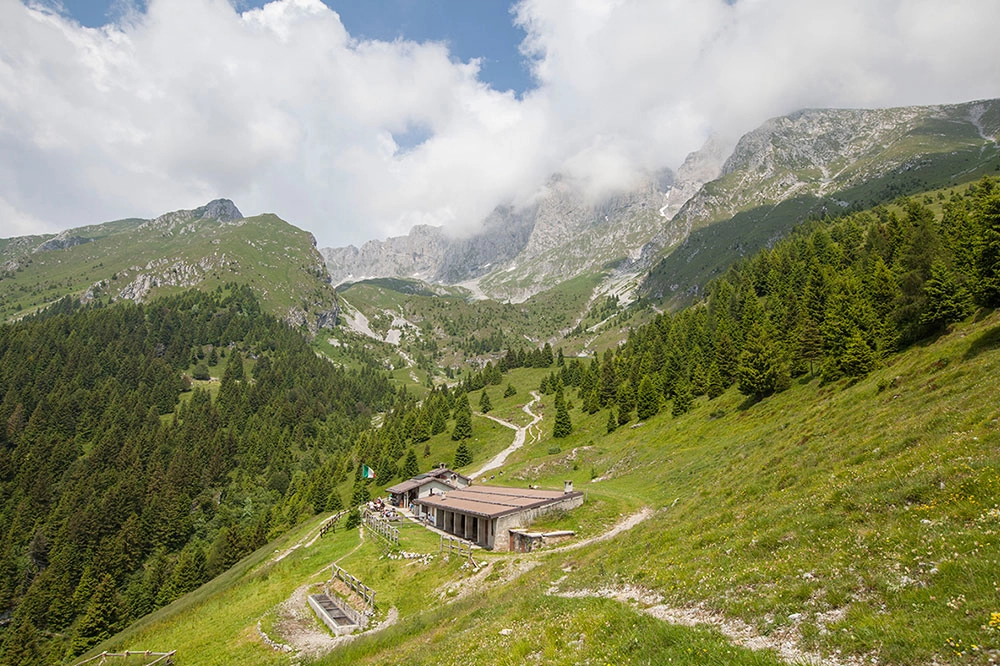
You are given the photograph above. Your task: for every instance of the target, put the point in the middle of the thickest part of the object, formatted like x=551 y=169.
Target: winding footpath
x=520 y=436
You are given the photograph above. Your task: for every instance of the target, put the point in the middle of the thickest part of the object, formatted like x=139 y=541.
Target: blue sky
x=357 y=119
x=472 y=28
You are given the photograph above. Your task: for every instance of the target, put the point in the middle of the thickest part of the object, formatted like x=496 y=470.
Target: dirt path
x=622 y=525
x=520 y=436
x=785 y=641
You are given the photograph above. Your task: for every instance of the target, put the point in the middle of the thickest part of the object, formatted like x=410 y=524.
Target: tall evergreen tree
x=563 y=425
x=463 y=425
x=647 y=399
x=761 y=371
x=947 y=300
x=987 y=214
x=463 y=456
x=100 y=619
x=484 y=402
x=683 y=398
x=410 y=468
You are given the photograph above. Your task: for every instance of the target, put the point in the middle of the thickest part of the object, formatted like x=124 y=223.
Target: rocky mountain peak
x=222 y=210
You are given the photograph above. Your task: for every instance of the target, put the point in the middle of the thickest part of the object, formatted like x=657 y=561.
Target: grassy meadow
x=854 y=520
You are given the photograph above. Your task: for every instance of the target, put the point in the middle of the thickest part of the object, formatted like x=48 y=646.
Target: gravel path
x=520 y=436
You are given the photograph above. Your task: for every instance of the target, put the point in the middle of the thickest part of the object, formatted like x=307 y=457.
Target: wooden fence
x=381 y=527
x=331 y=524
x=453 y=545
x=366 y=593
x=157 y=657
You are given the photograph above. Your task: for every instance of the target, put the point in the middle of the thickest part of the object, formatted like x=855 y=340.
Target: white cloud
x=282 y=110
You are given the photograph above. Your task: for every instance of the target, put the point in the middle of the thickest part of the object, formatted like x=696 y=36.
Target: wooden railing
x=453 y=545
x=365 y=592
x=331 y=524
x=381 y=527
x=157 y=657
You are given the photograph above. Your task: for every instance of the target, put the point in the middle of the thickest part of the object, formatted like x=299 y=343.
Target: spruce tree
x=612 y=424
x=439 y=422
x=563 y=425
x=715 y=388
x=648 y=399
x=509 y=391
x=987 y=214
x=947 y=301
x=334 y=502
x=410 y=467
x=484 y=402
x=463 y=426
x=761 y=371
x=626 y=402
x=682 y=398
x=100 y=619
x=463 y=456
x=858 y=358
x=421 y=428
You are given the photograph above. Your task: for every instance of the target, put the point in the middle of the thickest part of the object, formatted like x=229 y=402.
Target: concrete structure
x=485 y=515
x=435 y=482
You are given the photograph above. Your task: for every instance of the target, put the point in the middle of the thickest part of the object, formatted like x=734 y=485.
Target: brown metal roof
x=493 y=501
x=416 y=482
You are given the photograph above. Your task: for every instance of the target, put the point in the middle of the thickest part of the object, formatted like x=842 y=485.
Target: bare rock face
x=182 y=221
x=419 y=254
x=815 y=154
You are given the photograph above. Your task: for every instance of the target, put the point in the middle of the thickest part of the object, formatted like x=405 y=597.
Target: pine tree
x=100 y=619
x=563 y=425
x=761 y=371
x=463 y=426
x=987 y=214
x=648 y=399
x=484 y=402
x=683 y=398
x=612 y=420
x=410 y=467
x=626 y=402
x=947 y=301
x=334 y=502
x=463 y=456
x=858 y=358
x=714 y=386
x=509 y=391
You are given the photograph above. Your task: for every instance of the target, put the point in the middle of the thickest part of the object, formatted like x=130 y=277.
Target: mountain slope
x=140 y=259
x=819 y=522
x=818 y=162
x=722 y=204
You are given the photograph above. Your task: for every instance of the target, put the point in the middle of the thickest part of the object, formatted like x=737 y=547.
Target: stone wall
x=522 y=519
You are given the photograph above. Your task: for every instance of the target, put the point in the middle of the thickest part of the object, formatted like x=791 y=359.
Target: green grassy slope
x=126 y=259
x=847 y=519
x=444 y=328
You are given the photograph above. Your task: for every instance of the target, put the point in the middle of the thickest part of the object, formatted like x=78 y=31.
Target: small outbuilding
x=435 y=482
x=486 y=515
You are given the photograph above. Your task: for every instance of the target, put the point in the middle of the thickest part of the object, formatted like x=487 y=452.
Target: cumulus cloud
x=282 y=110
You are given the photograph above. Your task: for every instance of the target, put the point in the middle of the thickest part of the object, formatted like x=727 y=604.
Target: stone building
x=437 y=481
x=485 y=515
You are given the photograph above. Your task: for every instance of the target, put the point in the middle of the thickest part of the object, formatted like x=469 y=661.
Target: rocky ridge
x=826 y=155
